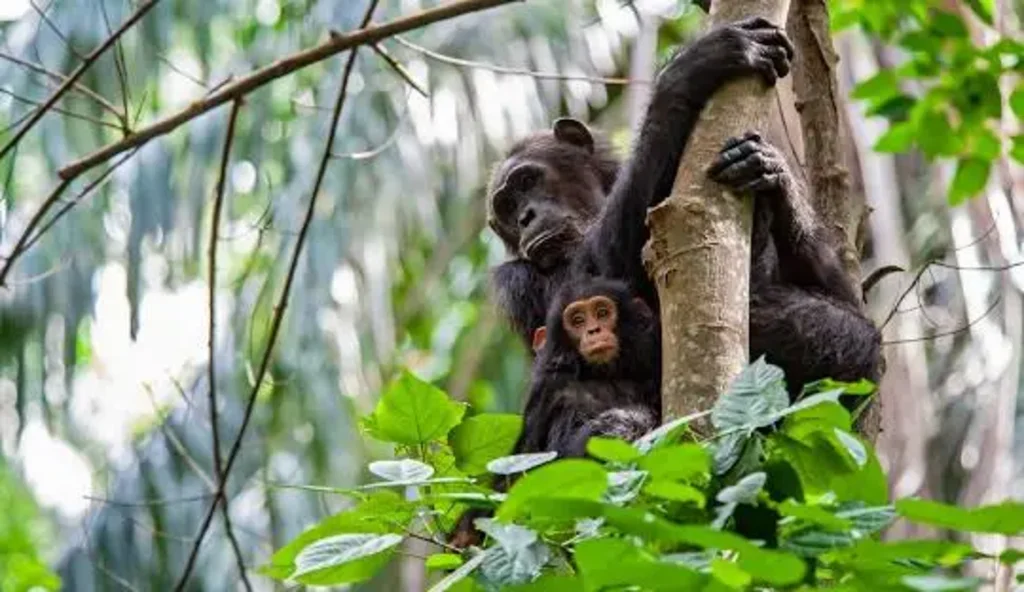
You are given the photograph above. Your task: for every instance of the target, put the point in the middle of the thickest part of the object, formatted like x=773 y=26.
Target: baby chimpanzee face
x=592 y=324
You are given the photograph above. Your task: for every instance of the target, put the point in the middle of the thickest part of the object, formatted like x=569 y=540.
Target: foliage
x=782 y=497
x=956 y=104
x=21 y=567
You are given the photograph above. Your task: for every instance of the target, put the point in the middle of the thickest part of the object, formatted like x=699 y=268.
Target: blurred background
x=106 y=466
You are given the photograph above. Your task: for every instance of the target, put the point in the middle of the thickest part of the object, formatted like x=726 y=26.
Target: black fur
x=571 y=400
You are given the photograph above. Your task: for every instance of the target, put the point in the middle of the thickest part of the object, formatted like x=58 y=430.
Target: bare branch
x=60 y=110
x=278 y=69
x=141 y=11
x=440 y=57
x=398 y=68
x=211 y=365
x=77 y=86
x=282 y=303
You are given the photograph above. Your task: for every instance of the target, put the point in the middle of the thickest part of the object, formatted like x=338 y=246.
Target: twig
x=81 y=88
x=440 y=57
x=282 y=305
x=947 y=333
x=211 y=365
x=141 y=11
x=60 y=110
x=281 y=67
x=149 y=503
x=398 y=68
x=53 y=27
x=119 y=64
x=75 y=201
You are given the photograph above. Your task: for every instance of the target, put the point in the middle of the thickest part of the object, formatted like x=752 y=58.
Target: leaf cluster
x=783 y=497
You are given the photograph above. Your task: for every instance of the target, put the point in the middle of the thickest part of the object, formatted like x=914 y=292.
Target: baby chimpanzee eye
x=577 y=320
x=602 y=312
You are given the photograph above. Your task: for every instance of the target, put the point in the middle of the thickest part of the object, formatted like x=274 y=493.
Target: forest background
x=106 y=464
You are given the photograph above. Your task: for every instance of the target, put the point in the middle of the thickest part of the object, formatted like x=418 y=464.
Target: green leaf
x=1017 y=149
x=1017 y=102
x=773 y=567
x=970 y=178
x=753 y=398
x=612 y=449
x=1004 y=518
x=940 y=583
x=1011 y=556
x=344 y=558
x=624 y=486
x=379 y=513
x=675 y=492
x=729 y=574
x=550 y=582
x=520 y=463
x=898 y=138
x=815 y=515
x=405 y=469
x=984 y=9
x=947 y=24
x=413 y=412
x=483 y=438
x=744 y=491
x=617 y=563
x=565 y=479
x=985 y=144
x=443 y=561
x=681 y=462
x=728 y=450
x=870 y=552
x=518 y=557
x=460 y=574
x=935 y=135
x=853 y=446
x=666 y=432
x=880 y=86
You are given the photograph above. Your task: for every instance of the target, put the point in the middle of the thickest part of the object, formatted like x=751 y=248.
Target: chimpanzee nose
x=594 y=330
x=526 y=216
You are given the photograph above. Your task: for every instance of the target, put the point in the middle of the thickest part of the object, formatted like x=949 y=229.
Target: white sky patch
x=58 y=475
x=11 y=10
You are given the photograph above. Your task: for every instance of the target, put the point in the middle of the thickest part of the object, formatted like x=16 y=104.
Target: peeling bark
x=699 y=252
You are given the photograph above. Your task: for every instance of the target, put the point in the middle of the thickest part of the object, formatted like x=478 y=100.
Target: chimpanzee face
x=592 y=325
x=545 y=195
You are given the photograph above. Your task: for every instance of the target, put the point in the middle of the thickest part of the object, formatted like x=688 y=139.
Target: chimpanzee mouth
x=549 y=243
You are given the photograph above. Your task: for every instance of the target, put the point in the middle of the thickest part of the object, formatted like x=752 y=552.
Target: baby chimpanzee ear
x=642 y=307
x=540 y=337
x=572 y=131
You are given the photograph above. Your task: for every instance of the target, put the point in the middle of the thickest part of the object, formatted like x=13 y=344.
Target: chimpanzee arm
x=801 y=256
x=752 y=46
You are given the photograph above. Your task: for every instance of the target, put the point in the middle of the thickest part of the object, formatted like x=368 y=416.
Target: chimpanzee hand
x=626 y=423
x=750 y=46
x=749 y=164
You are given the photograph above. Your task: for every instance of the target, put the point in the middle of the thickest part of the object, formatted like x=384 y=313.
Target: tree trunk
x=699 y=251
x=815 y=83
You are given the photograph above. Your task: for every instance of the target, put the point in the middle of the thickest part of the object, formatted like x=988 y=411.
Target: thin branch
x=377 y=151
x=282 y=303
x=399 y=69
x=141 y=11
x=278 y=69
x=119 y=63
x=53 y=27
x=81 y=88
x=440 y=57
x=947 y=333
x=61 y=110
x=211 y=365
x=149 y=503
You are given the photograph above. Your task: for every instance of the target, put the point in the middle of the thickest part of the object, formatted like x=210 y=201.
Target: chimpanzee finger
x=765 y=182
x=735 y=150
x=766 y=68
x=778 y=57
x=774 y=38
x=740 y=171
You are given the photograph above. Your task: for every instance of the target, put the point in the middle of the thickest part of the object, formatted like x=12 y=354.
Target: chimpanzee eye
x=577 y=320
x=504 y=205
x=602 y=312
x=524 y=178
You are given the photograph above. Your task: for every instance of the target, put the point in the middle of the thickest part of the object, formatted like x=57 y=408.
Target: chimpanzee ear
x=540 y=337
x=572 y=131
x=642 y=307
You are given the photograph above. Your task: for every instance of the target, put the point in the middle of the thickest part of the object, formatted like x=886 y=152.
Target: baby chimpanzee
x=597 y=369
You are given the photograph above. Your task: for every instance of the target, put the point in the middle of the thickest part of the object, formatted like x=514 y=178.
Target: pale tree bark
x=699 y=252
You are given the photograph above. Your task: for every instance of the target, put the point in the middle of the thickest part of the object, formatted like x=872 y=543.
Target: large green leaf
x=616 y=563
x=969 y=179
x=483 y=438
x=344 y=558
x=753 y=399
x=681 y=462
x=413 y=412
x=1004 y=518
x=565 y=479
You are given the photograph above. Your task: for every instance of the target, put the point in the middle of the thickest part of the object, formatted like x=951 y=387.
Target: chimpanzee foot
x=748 y=164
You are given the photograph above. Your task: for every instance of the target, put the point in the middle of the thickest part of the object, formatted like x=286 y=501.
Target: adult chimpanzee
x=552 y=186
x=560 y=203
x=596 y=372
